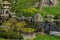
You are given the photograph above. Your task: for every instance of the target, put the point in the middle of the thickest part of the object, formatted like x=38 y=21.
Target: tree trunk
x=40 y=5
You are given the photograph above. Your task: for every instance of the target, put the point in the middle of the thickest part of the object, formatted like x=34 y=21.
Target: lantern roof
x=5 y=2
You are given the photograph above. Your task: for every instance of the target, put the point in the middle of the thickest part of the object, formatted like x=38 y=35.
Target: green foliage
x=7 y=26
x=28 y=30
x=22 y=26
x=32 y=11
x=29 y=11
x=10 y=35
x=58 y=3
x=58 y=15
x=9 y=30
x=51 y=10
x=19 y=5
x=14 y=28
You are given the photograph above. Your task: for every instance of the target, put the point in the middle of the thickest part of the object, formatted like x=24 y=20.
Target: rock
x=55 y=33
x=29 y=19
x=37 y=18
x=28 y=36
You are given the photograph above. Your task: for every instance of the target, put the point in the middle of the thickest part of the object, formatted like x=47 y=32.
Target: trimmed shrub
x=32 y=11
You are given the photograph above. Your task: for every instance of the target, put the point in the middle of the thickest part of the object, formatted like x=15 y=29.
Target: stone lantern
x=6 y=6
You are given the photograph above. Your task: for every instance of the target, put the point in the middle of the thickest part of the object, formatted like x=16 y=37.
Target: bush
x=20 y=5
x=10 y=35
x=9 y=31
x=28 y=30
x=13 y=30
x=58 y=15
x=32 y=11
x=22 y=26
x=7 y=26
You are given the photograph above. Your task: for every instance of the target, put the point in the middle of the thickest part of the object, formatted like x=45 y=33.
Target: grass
x=46 y=37
x=58 y=3
x=2 y=39
x=52 y=10
x=41 y=37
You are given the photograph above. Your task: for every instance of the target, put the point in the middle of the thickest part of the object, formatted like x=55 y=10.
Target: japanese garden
x=29 y=19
